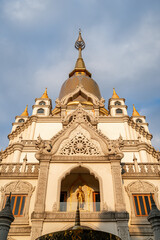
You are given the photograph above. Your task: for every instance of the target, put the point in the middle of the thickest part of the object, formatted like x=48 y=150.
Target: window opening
x=63 y=202
x=17 y=204
x=21 y=120
x=40 y=110
x=142 y=204
x=42 y=103
x=118 y=110
x=117 y=103
x=138 y=120
x=96 y=201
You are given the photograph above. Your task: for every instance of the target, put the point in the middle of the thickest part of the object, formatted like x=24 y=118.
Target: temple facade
x=82 y=150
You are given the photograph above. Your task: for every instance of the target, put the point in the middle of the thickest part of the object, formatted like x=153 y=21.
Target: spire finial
x=80 y=44
x=45 y=95
x=114 y=94
x=25 y=113
x=80 y=65
x=135 y=113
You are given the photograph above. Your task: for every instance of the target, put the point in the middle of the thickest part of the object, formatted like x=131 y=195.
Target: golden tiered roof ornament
x=135 y=113
x=25 y=113
x=114 y=94
x=80 y=67
x=45 y=95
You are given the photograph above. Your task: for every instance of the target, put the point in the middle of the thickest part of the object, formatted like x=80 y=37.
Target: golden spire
x=114 y=94
x=45 y=95
x=80 y=65
x=80 y=45
x=135 y=113
x=25 y=113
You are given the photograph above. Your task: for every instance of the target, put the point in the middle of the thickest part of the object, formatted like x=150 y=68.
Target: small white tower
x=42 y=105
x=140 y=120
x=116 y=105
x=19 y=120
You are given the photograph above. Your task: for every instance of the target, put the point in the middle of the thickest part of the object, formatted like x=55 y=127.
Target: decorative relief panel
x=140 y=187
x=18 y=187
x=80 y=145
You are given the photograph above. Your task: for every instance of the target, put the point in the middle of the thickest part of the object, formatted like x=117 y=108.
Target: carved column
x=33 y=126
x=18 y=147
x=122 y=226
x=39 y=209
x=117 y=183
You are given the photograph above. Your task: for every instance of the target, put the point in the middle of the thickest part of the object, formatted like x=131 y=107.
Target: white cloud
x=24 y=10
x=125 y=58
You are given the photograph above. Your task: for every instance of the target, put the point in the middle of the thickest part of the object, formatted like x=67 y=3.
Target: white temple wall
x=30 y=157
x=113 y=130
x=47 y=130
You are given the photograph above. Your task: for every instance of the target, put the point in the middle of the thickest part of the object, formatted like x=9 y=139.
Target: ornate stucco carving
x=117 y=182
x=79 y=137
x=141 y=187
x=18 y=187
x=139 y=129
x=79 y=116
x=80 y=145
x=80 y=88
x=44 y=147
x=21 y=128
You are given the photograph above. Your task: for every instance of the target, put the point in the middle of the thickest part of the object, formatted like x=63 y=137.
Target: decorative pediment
x=79 y=137
x=79 y=116
x=80 y=89
x=141 y=187
x=18 y=187
x=80 y=144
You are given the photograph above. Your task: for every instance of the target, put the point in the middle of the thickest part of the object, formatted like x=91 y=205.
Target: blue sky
x=37 y=51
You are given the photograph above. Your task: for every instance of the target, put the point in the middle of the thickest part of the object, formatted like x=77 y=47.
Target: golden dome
x=79 y=80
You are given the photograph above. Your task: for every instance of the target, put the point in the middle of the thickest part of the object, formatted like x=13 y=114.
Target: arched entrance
x=79 y=183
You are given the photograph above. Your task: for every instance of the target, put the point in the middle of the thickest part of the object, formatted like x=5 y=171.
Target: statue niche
x=80 y=186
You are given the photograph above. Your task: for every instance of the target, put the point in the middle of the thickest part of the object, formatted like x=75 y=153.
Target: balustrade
x=141 y=168
x=19 y=168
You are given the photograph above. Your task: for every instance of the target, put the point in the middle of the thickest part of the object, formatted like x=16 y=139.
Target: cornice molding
x=21 y=128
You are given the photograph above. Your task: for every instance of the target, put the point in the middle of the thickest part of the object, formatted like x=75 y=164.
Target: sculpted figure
x=80 y=197
x=42 y=146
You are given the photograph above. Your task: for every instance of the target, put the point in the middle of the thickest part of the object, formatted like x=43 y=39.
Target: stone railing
x=12 y=169
x=29 y=142
x=131 y=142
x=140 y=169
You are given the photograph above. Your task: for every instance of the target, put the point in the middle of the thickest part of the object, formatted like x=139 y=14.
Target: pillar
x=37 y=217
x=117 y=183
